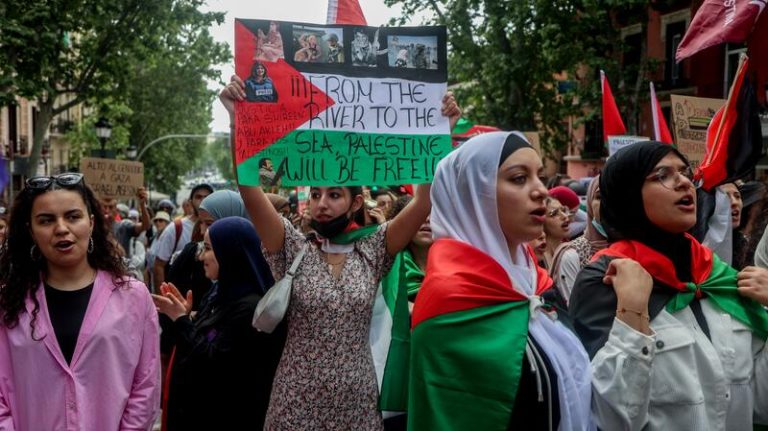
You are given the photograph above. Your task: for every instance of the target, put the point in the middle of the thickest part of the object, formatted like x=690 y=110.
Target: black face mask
x=330 y=228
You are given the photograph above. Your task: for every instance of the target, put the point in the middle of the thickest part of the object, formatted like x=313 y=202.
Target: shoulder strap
x=297 y=261
x=179 y=228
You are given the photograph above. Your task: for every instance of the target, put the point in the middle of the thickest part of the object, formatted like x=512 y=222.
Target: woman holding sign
x=326 y=378
x=487 y=350
x=676 y=336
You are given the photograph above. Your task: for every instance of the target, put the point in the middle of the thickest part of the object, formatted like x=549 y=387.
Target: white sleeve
x=570 y=265
x=621 y=379
x=166 y=242
x=761 y=252
x=760 y=381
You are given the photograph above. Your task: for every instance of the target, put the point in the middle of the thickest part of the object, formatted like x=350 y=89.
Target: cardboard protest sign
x=339 y=104
x=691 y=117
x=111 y=178
x=615 y=143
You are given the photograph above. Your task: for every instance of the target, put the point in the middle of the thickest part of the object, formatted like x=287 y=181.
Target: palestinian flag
x=712 y=278
x=339 y=104
x=470 y=328
x=734 y=136
x=466 y=129
x=391 y=331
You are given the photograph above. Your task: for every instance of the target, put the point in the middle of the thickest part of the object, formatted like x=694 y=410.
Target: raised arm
x=145 y=224
x=266 y=220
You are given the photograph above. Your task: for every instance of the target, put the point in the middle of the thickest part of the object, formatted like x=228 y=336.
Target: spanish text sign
x=111 y=178
x=339 y=104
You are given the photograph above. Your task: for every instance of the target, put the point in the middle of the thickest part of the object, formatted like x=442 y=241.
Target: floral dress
x=326 y=378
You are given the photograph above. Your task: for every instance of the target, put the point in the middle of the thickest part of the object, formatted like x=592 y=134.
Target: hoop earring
x=34 y=253
x=90 y=245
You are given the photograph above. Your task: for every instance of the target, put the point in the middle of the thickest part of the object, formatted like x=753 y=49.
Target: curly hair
x=20 y=275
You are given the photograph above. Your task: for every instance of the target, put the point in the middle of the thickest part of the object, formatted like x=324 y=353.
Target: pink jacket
x=113 y=381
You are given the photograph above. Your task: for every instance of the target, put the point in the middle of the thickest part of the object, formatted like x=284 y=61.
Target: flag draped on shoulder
x=345 y=12
x=734 y=136
x=612 y=122
x=719 y=21
x=470 y=328
x=712 y=278
x=660 y=129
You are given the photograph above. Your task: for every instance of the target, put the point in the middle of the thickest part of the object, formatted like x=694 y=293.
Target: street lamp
x=103 y=131
x=131 y=152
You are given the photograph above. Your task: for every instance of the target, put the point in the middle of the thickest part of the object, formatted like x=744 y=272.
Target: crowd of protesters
x=518 y=301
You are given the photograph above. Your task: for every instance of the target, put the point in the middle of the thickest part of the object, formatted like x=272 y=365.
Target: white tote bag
x=272 y=307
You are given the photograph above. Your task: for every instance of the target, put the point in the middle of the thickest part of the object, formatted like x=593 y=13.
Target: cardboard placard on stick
x=690 y=118
x=110 y=178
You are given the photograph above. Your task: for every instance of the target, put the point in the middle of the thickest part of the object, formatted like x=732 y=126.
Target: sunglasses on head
x=67 y=180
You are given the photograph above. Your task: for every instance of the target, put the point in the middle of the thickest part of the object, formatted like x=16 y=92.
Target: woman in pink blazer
x=79 y=340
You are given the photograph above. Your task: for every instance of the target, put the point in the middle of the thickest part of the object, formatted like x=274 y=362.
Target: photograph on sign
x=316 y=117
x=416 y=52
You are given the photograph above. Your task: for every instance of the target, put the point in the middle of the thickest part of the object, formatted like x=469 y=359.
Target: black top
x=67 y=310
x=222 y=372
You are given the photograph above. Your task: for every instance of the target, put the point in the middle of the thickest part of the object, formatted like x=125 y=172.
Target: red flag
x=345 y=12
x=612 y=123
x=660 y=129
x=734 y=138
x=717 y=22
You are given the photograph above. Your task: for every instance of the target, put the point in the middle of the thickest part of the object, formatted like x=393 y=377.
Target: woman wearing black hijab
x=675 y=344
x=223 y=368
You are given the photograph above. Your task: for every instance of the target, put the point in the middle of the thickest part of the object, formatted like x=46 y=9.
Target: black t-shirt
x=67 y=311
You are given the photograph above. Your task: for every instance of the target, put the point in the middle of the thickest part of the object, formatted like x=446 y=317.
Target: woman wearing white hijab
x=486 y=353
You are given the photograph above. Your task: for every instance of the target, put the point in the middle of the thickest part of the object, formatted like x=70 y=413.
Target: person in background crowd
x=676 y=343
x=167 y=206
x=577 y=217
x=188 y=210
x=281 y=204
x=78 y=338
x=124 y=230
x=539 y=246
x=556 y=228
x=738 y=239
x=557 y=180
x=485 y=354
x=222 y=369
x=332 y=298
x=170 y=241
x=572 y=256
x=384 y=200
x=160 y=222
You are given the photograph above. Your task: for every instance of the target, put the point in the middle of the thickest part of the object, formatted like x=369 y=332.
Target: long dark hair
x=20 y=273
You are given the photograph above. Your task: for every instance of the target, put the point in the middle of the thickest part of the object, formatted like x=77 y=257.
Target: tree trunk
x=43 y=119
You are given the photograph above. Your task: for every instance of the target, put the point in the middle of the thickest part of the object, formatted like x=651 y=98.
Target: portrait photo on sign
x=317 y=44
x=259 y=86
x=269 y=45
x=365 y=47
x=412 y=52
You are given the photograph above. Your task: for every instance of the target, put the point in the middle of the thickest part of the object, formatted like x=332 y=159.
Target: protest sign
x=339 y=104
x=691 y=117
x=615 y=143
x=111 y=178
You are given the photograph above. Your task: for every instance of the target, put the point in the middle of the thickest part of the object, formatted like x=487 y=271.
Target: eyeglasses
x=67 y=180
x=562 y=210
x=670 y=177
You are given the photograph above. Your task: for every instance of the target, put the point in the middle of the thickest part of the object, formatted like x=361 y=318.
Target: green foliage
x=151 y=56
x=504 y=57
x=219 y=156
